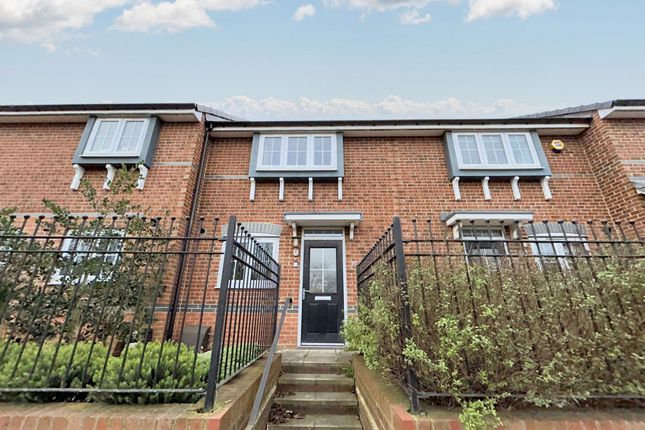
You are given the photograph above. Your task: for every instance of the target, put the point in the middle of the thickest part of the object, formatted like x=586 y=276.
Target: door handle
x=307 y=291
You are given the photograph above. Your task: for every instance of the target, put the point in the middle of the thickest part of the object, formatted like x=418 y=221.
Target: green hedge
x=173 y=370
x=554 y=336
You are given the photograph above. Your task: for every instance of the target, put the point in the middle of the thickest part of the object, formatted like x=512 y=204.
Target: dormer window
x=496 y=151
x=116 y=137
x=297 y=153
x=110 y=142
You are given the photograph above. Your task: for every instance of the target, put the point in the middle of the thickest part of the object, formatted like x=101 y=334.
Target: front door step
x=310 y=382
x=320 y=403
x=329 y=422
x=315 y=386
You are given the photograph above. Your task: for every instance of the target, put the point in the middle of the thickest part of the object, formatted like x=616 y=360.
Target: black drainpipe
x=170 y=320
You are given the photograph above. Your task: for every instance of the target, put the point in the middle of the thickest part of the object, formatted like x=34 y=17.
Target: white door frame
x=302 y=261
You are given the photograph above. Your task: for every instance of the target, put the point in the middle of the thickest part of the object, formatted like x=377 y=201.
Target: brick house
x=317 y=194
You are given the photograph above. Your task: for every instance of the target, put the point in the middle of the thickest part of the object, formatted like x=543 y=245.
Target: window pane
x=468 y=149
x=104 y=136
x=271 y=155
x=322 y=270
x=297 y=151
x=322 y=151
x=494 y=148
x=521 y=149
x=131 y=135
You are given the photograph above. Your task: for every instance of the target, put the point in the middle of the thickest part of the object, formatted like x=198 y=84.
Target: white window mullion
x=284 y=148
x=507 y=148
x=480 y=149
x=117 y=136
x=310 y=152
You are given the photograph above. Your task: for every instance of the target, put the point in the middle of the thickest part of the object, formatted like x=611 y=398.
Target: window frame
x=57 y=277
x=483 y=157
x=284 y=147
x=489 y=238
x=112 y=152
x=559 y=243
x=275 y=240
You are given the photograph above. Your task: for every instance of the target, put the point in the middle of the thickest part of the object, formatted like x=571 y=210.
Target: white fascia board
x=622 y=112
x=398 y=130
x=481 y=218
x=323 y=219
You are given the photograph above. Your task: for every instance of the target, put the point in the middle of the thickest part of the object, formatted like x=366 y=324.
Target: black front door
x=322 y=304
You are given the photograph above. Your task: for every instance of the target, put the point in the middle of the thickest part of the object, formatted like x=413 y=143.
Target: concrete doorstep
x=314 y=385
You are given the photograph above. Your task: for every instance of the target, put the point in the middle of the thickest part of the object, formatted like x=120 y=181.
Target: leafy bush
x=553 y=337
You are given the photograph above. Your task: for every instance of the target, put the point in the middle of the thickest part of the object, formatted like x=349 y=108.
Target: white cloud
x=169 y=16
x=378 y=5
x=413 y=17
x=229 y=5
x=389 y=107
x=47 y=22
x=480 y=9
x=304 y=11
x=176 y=15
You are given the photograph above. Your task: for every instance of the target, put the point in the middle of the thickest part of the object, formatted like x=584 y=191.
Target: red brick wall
x=36 y=163
x=618 y=151
x=404 y=176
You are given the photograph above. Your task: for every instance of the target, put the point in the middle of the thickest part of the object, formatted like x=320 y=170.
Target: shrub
x=30 y=366
x=164 y=366
x=553 y=337
x=81 y=366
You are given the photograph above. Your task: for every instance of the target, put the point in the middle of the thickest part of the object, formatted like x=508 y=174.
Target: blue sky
x=325 y=58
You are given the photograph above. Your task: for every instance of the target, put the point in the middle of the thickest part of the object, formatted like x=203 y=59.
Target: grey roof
x=211 y=113
x=584 y=110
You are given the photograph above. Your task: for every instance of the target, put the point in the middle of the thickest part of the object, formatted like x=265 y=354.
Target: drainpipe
x=170 y=319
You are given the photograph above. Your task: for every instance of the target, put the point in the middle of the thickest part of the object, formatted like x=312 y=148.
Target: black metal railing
x=458 y=271
x=92 y=307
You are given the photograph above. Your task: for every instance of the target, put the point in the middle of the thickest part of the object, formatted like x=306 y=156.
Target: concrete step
x=315 y=361
x=330 y=422
x=320 y=367
x=309 y=382
x=320 y=403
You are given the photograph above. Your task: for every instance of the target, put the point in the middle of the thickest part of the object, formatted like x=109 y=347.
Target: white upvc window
x=116 y=137
x=80 y=250
x=483 y=244
x=558 y=249
x=297 y=152
x=513 y=150
x=243 y=275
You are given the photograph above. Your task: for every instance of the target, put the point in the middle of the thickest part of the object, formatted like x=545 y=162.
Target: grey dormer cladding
x=145 y=155
x=338 y=173
x=454 y=170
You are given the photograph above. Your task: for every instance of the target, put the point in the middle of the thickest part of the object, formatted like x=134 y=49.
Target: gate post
x=406 y=317
x=220 y=319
